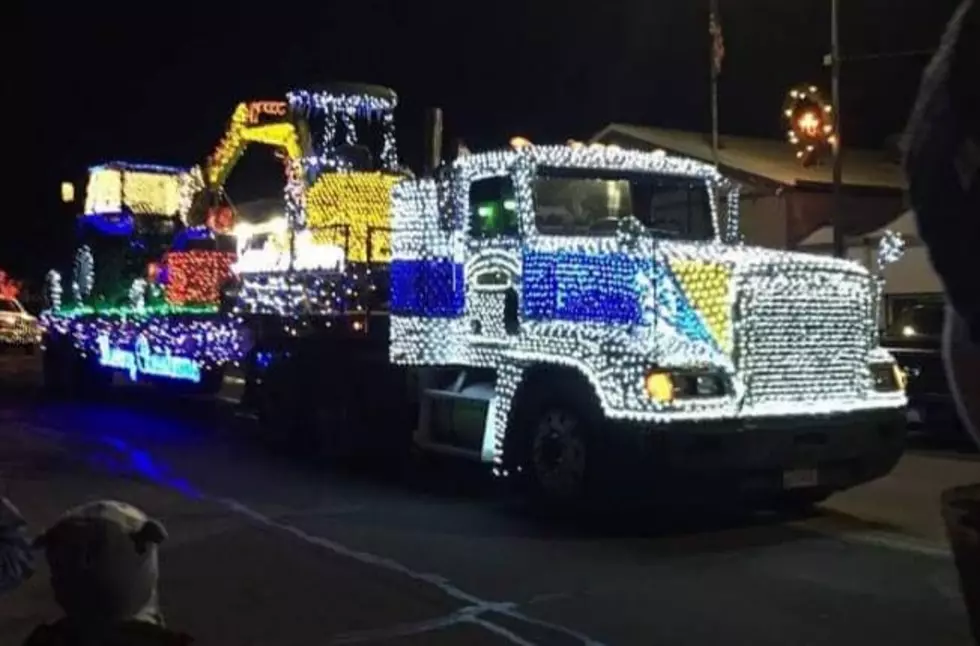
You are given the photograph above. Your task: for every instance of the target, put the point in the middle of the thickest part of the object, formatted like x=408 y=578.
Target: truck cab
x=562 y=299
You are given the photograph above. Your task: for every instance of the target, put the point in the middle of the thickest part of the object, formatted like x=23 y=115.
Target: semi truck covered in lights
x=534 y=308
x=550 y=303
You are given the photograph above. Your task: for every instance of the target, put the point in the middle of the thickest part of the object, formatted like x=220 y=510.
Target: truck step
x=244 y=414
x=484 y=395
x=448 y=449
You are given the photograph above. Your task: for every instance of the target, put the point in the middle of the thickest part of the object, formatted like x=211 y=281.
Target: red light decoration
x=195 y=277
x=9 y=288
x=221 y=219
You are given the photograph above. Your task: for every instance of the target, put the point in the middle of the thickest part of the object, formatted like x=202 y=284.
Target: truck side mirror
x=728 y=200
x=891 y=248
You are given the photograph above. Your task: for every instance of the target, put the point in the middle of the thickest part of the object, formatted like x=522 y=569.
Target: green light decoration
x=129 y=311
x=497 y=217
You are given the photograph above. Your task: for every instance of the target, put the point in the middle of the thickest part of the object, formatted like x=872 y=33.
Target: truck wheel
x=556 y=459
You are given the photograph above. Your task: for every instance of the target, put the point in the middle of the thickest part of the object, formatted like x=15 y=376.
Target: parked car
x=915 y=340
x=17 y=327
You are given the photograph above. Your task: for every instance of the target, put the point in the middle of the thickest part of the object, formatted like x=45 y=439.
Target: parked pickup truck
x=17 y=327
x=915 y=340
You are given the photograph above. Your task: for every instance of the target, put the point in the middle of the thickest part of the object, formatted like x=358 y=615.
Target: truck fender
x=515 y=377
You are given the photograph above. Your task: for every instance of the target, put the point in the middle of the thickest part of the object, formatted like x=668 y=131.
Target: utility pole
x=836 y=215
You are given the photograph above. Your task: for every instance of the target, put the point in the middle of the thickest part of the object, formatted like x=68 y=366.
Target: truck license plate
x=800 y=478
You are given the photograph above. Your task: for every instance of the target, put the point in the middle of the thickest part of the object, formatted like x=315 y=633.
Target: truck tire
x=556 y=427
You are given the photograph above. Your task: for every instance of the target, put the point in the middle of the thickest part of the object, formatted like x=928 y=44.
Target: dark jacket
x=128 y=633
x=943 y=162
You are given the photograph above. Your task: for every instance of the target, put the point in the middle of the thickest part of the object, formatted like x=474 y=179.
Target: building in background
x=783 y=202
x=910 y=281
x=787 y=205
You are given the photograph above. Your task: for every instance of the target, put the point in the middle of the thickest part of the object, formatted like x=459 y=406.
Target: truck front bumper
x=752 y=459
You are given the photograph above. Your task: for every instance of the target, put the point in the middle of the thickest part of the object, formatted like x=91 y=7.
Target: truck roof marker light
x=660 y=387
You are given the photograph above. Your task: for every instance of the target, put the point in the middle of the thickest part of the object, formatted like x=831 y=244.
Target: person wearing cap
x=104 y=570
x=943 y=166
x=16 y=557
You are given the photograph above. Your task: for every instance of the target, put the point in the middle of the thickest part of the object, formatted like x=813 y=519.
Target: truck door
x=492 y=263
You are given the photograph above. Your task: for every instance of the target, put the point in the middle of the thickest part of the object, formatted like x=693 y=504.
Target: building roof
x=904 y=224
x=770 y=159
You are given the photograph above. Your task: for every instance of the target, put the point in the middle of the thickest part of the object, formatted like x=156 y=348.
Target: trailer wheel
x=67 y=374
x=55 y=373
x=556 y=427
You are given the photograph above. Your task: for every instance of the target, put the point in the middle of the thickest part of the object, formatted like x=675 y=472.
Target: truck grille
x=803 y=337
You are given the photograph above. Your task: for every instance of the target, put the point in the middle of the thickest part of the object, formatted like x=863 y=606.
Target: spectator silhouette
x=943 y=166
x=104 y=570
x=16 y=558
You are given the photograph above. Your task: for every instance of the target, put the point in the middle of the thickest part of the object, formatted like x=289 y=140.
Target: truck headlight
x=888 y=377
x=665 y=386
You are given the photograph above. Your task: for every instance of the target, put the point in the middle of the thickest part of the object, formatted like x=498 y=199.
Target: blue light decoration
x=183 y=240
x=208 y=340
x=431 y=287
x=139 y=167
x=112 y=224
x=142 y=360
x=578 y=286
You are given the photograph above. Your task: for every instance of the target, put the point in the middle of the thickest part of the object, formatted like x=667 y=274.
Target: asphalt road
x=265 y=549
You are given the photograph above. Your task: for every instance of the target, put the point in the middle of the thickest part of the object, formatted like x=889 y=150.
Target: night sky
x=156 y=82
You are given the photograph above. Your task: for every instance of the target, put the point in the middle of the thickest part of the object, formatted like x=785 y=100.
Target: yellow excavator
x=337 y=187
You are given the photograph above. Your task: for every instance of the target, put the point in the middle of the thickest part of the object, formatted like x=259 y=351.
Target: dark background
x=156 y=82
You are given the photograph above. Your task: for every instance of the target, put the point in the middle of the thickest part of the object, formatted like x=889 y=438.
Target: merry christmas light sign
x=142 y=360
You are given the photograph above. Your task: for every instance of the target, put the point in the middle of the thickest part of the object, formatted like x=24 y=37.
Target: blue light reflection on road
x=131 y=460
x=119 y=442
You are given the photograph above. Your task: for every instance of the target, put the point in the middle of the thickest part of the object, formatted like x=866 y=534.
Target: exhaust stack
x=433 y=140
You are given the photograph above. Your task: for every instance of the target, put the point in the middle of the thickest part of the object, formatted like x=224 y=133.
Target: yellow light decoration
x=67 y=192
x=809 y=124
x=240 y=133
x=103 y=194
x=707 y=286
x=228 y=150
x=811 y=128
x=357 y=203
x=151 y=193
x=281 y=135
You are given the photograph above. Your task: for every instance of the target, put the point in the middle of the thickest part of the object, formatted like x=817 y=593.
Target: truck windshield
x=587 y=202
